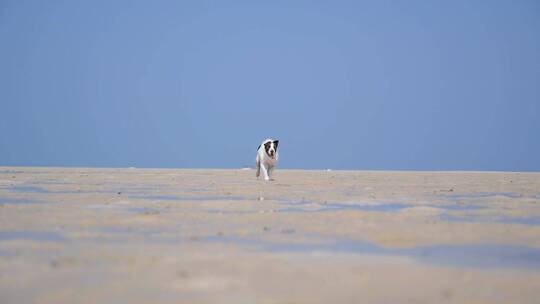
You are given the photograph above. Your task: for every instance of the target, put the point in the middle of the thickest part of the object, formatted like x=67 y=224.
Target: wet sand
x=87 y=235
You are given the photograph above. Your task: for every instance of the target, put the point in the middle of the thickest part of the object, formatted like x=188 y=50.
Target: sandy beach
x=92 y=235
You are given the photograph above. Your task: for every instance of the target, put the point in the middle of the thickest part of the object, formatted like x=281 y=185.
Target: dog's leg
x=270 y=172
x=258 y=165
x=265 y=172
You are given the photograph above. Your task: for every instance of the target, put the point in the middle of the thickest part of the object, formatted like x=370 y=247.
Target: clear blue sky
x=422 y=85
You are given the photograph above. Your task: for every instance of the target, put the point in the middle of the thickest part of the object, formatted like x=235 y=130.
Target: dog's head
x=270 y=146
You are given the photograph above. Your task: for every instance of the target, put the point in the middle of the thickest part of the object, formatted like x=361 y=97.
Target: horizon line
x=279 y=168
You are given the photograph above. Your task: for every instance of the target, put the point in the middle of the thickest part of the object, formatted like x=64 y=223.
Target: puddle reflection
x=31 y=235
x=189 y=198
x=530 y=220
x=7 y=200
x=480 y=255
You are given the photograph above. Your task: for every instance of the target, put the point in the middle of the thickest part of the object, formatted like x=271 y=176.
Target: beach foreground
x=84 y=235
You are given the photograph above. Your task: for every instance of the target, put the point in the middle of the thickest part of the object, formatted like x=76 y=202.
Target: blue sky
x=406 y=85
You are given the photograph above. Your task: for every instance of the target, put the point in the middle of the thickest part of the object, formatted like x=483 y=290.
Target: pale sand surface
x=91 y=235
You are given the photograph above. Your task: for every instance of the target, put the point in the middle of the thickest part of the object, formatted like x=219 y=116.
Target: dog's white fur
x=265 y=162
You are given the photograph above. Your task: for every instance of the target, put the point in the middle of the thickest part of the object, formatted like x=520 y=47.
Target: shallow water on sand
x=476 y=255
x=7 y=200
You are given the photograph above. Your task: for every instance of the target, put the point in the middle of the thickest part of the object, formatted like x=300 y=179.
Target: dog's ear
x=276 y=142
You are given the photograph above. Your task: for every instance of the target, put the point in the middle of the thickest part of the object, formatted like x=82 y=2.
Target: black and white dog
x=267 y=157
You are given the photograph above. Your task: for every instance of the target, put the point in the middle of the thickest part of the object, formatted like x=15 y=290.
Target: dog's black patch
x=267 y=146
x=276 y=144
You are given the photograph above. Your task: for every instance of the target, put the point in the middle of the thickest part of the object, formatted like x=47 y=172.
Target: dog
x=267 y=158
